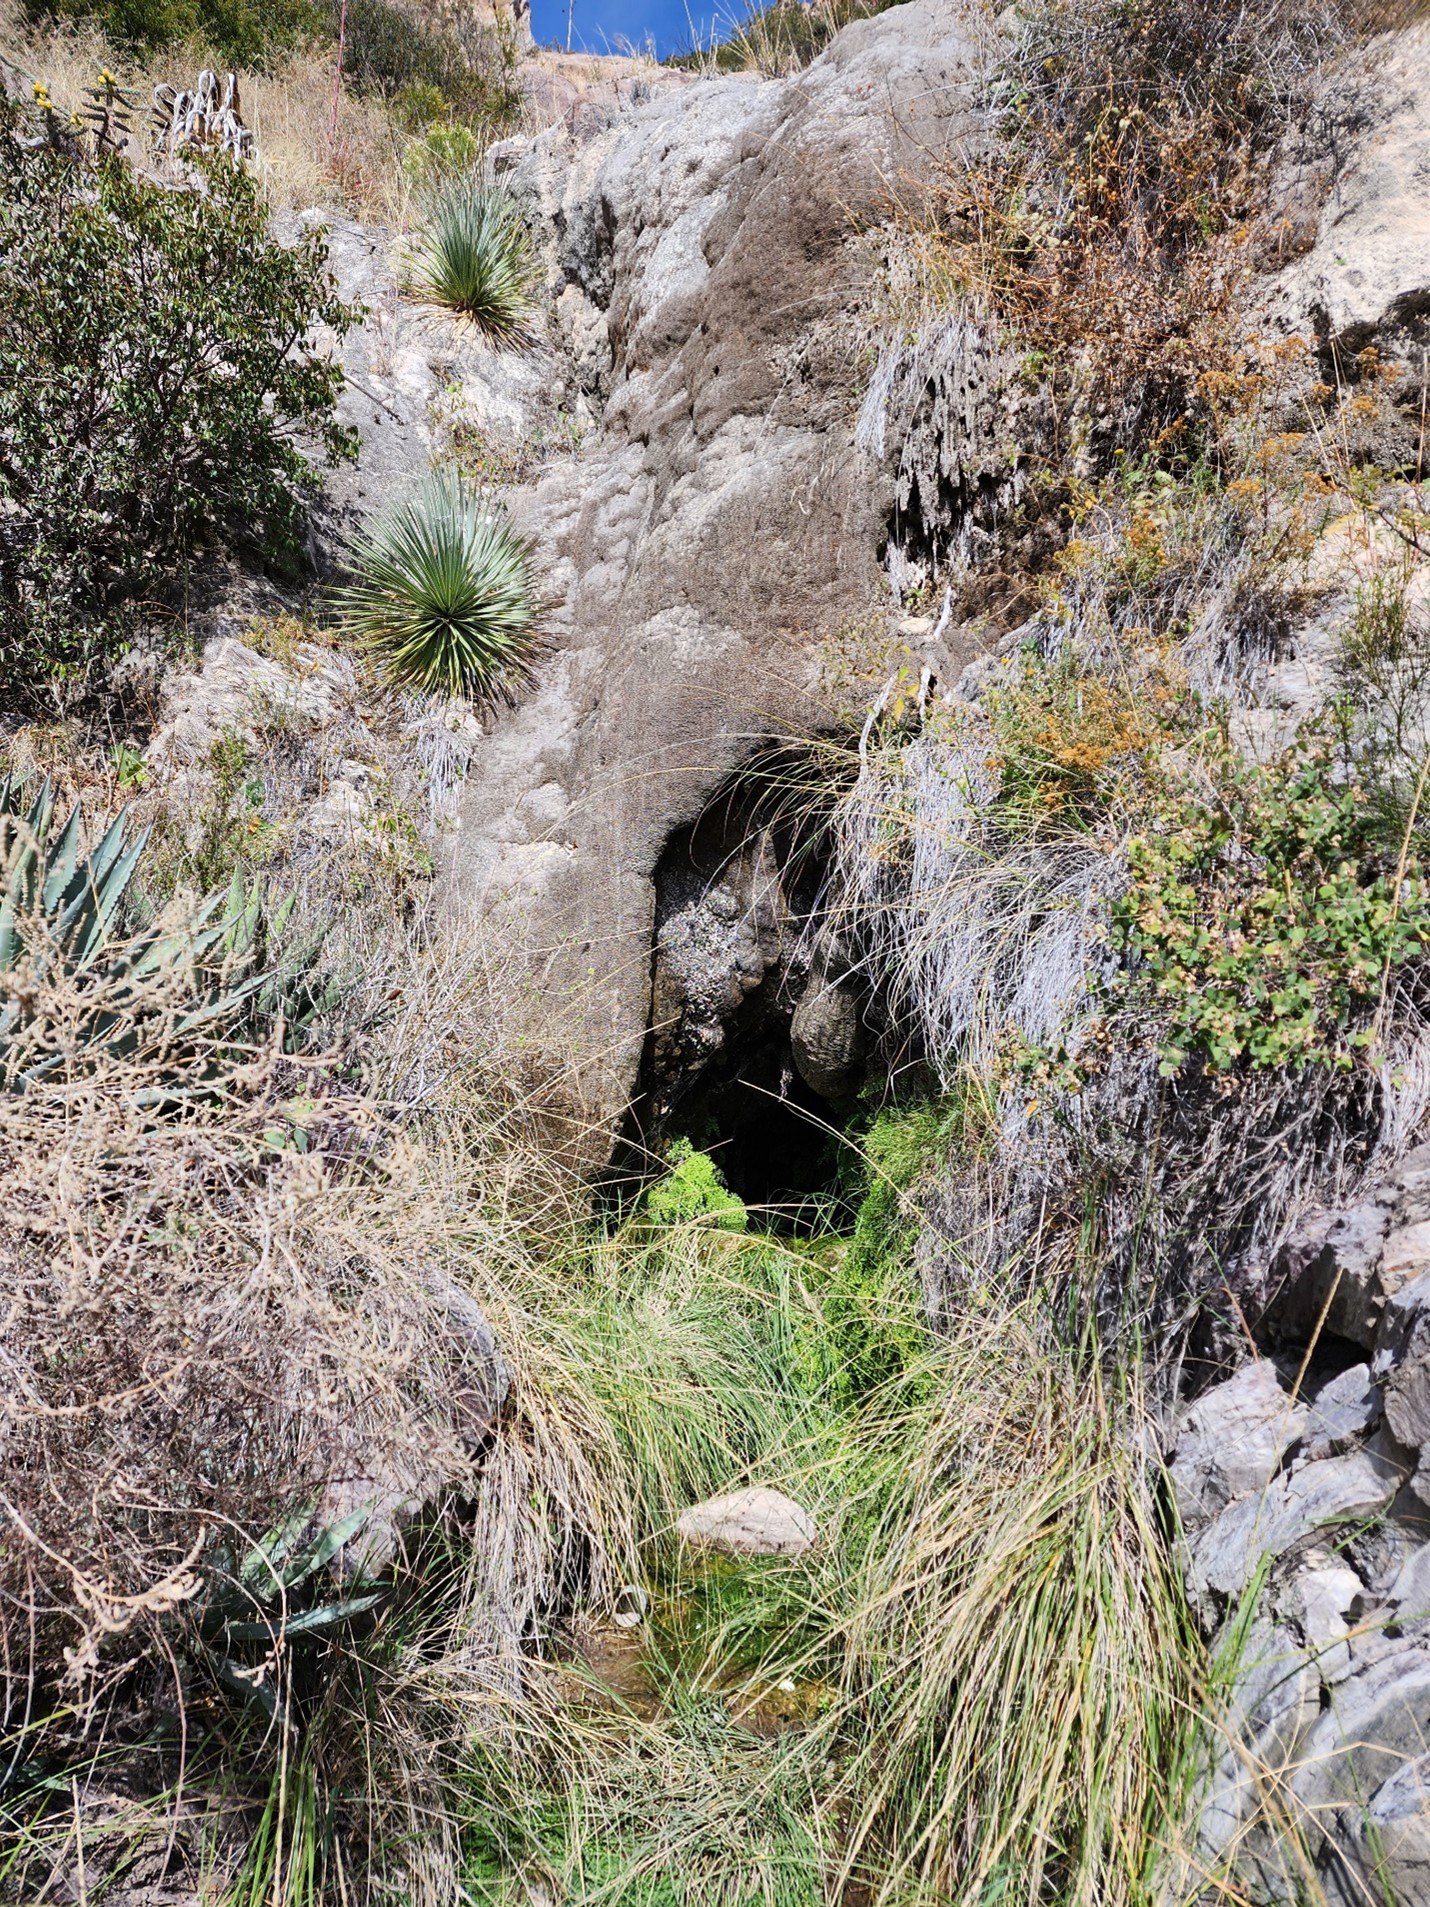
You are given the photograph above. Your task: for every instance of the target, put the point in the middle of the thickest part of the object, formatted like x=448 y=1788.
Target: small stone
x=753 y=1522
x=1341 y=1411
x=1327 y=1597
x=630 y=1607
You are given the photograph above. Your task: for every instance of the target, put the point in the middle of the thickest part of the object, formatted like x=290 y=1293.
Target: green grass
x=975 y=1687
x=442 y=592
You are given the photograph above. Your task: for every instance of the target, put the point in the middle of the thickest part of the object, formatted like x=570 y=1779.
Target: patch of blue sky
x=616 y=26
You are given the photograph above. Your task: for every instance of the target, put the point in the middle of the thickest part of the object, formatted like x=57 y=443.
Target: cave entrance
x=738 y=895
x=774 y=1139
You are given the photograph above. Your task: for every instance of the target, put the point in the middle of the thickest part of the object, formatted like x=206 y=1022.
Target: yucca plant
x=264 y=1597
x=472 y=256
x=443 y=592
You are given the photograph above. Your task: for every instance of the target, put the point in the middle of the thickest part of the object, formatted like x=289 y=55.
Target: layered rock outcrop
x=1303 y=1489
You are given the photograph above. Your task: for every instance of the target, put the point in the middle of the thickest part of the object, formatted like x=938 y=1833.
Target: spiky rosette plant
x=472 y=256
x=443 y=593
x=63 y=908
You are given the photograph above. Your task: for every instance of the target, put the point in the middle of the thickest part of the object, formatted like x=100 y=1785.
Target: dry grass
x=289 y=110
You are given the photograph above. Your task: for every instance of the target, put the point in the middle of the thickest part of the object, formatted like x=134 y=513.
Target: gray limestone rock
x=1344 y=1408
x=1376 y=1722
x=1328 y=1273
x=1382 y=1851
x=720 y=524
x=1409 y=1595
x=1232 y=1440
x=753 y=1522
x=1339 y=1489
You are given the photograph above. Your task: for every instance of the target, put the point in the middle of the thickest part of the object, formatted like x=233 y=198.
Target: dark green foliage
x=275 y=1593
x=469 y=71
x=1262 y=926
x=152 y=378
x=243 y=32
x=443 y=592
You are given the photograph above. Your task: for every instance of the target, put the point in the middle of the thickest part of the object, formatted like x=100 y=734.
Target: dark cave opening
x=735 y=943
x=774 y=1139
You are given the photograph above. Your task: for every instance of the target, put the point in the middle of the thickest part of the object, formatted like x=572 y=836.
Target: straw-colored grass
x=299 y=163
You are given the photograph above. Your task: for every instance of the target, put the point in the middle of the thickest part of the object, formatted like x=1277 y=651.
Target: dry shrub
x=234 y=1299
x=206 y=1327
x=1107 y=225
x=299 y=162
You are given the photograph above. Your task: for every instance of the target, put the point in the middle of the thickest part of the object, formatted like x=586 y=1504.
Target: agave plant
x=274 y=1592
x=443 y=592
x=472 y=256
x=62 y=909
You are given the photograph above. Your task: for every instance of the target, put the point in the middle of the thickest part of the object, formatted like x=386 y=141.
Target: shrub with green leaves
x=153 y=382
x=244 y=32
x=461 y=67
x=442 y=592
x=472 y=257
x=1262 y=925
x=693 y=1192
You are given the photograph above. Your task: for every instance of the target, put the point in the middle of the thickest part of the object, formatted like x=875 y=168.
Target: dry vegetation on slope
x=337 y=1423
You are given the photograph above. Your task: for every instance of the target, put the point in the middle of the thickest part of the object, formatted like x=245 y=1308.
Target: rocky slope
x=721 y=526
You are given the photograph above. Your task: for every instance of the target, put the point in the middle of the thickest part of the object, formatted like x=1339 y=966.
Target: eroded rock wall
x=712 y=287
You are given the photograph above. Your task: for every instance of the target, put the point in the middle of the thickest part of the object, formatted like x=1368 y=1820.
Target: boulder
x=235 y=690
x=1232 y=1440
x=827 y=1036
x=1358 y=251
x=754 y=1522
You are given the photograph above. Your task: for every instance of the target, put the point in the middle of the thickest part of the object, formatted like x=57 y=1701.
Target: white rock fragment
x=753 y=1522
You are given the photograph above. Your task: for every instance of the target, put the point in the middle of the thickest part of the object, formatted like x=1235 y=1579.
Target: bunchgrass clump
x=472 y=257
x=442 y=592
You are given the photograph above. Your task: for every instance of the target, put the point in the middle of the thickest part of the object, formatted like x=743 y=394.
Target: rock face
x=1307 y=1532
x=1342 y=1269
x=711 y=289
x=1350 y=219
x=754 y=1522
